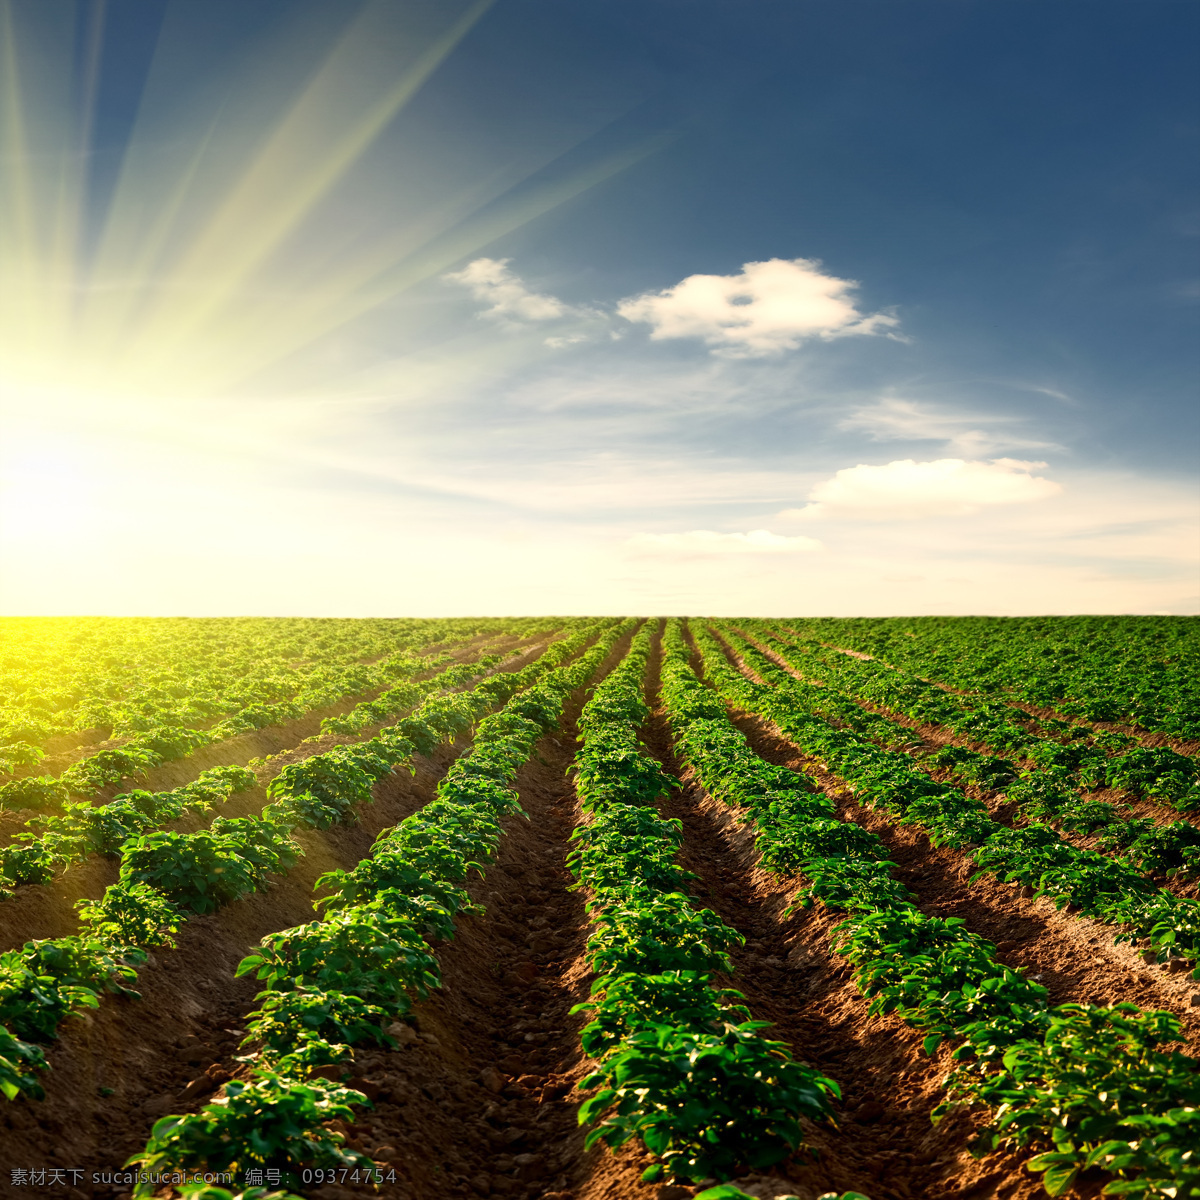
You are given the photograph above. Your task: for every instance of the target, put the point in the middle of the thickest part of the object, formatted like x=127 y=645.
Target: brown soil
x=482 y=1101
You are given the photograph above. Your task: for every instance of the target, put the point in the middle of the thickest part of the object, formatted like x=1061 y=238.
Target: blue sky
x=657 y=306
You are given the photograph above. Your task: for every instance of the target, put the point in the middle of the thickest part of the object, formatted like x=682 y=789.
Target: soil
x=481 y=1098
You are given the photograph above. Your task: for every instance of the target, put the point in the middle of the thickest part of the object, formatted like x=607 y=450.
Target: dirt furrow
x=114 y=1071
x=1071 y=955
x=481 y=1102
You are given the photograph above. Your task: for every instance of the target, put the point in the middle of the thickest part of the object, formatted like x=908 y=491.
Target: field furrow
x=612 y=910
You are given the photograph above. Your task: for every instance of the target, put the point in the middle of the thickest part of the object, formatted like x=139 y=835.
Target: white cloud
x=506 y=295
x=707 y=541
x=893 y=419
x=770 y=307
x=907 y=489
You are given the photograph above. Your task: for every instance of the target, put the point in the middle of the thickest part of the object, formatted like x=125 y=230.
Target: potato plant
x=1091 y=1085
x=680 y=1066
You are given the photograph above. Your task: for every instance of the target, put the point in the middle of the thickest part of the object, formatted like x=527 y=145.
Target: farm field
x=600 y=908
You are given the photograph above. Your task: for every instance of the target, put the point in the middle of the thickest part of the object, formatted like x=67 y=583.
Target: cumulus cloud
x=909 y=489
x=769 y=308
x=707 y=541
x=504 y=292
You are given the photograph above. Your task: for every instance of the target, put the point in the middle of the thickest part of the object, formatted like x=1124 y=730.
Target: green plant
x=18 y=1061
x=1098 y=1087
x=706 y=1104
x=286 y=1020
x=37 y=791
x=131 y=915
x=622 y=1004
x=202 y=871
x=322 y=789
x=371 y=955
x=268 y=1122
x=652 y=932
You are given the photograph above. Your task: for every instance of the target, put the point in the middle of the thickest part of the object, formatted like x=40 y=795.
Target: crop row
x=156 y=735
x=166 y=876
x=120 y=676
x=1042 y=793
x=1034 y=857
x=1140 y=669
x=680 y=1063
x=346 y=978
x=1090 y=759
x=83 y=829
x=1093 y=1082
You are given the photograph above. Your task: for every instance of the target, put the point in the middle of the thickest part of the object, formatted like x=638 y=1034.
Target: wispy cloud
x=894 y=419
x=513 y=304
x=768 y=308
x=708 y=542
x=906 y=489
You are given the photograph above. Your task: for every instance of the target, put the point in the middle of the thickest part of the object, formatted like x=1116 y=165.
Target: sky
x=423 y=307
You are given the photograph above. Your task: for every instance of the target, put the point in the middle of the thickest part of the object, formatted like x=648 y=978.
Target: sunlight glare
x=228 y=244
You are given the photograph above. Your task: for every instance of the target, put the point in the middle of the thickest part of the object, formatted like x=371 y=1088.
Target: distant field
x=503 y=907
